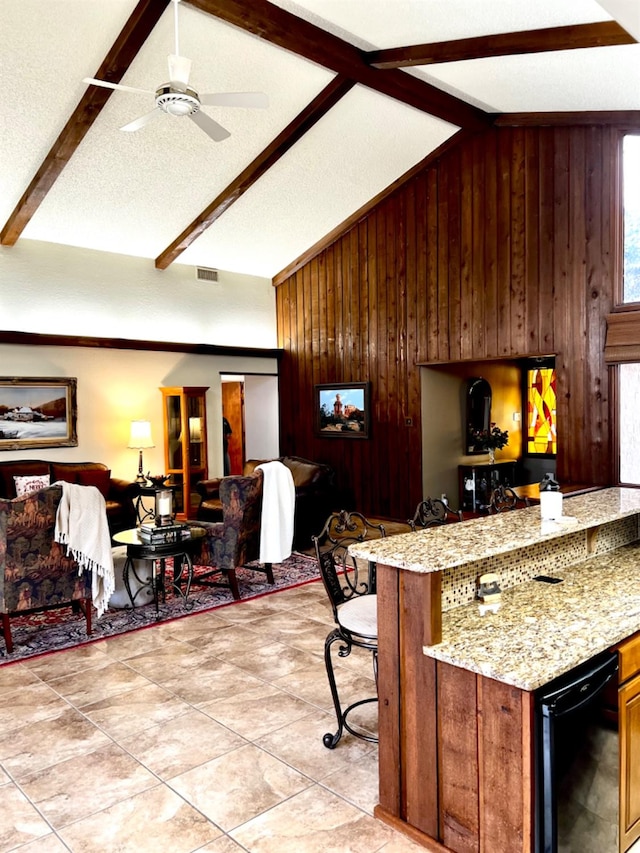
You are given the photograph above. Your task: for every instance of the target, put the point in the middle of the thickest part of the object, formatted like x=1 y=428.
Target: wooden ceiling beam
x=312 y=113
x=133 y=35
x=602 y=34
x=298 y=36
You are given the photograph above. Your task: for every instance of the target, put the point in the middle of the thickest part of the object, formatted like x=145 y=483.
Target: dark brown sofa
x=314 y=484
x=119 y=495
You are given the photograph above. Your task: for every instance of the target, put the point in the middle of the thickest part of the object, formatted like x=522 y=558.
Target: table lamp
x=140 y=438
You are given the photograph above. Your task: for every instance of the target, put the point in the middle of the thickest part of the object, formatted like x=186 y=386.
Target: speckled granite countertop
x=436 y=549
x=542 y=630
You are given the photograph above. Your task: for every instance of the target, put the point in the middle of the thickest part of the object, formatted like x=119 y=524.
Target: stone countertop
x=439 y=548
x=543 y=630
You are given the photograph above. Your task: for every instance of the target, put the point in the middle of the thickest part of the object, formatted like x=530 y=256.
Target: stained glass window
x=541 y=411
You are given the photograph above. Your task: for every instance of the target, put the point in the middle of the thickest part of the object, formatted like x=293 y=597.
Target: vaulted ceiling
x=360 y=93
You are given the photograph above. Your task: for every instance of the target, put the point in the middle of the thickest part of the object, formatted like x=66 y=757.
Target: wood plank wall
x=506 y=246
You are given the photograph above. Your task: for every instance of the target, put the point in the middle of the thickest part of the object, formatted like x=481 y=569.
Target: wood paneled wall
x=506 y=246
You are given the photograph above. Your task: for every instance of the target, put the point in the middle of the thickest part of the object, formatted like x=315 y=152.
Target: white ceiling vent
x=206 y=274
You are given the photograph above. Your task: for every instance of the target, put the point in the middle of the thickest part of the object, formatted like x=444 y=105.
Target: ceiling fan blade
x=236 y=99
x=216 y=131
x=139 y=123
x=179 y=70
x=117 y=86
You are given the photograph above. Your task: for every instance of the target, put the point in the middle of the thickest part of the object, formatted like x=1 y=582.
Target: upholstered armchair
x=234 y=541
x=35 y=573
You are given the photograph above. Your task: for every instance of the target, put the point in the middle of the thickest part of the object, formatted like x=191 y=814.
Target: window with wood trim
x=540 y=397
x=631 y=213
x=629 y=420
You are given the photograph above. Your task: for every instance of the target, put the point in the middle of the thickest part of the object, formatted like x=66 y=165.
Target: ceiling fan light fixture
x=177 y=103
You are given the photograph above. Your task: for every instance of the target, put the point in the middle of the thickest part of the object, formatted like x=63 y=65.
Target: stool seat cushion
x=359 y=615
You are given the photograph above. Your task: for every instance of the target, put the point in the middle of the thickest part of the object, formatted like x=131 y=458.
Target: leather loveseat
x=314 y=484
x=119 y=495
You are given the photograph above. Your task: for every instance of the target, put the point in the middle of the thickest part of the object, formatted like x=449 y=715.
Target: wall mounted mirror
x=478 y=414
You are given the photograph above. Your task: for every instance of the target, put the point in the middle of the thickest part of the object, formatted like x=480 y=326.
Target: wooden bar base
x=410 y=831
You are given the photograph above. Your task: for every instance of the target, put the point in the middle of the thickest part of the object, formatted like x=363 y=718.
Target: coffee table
x=157 y=554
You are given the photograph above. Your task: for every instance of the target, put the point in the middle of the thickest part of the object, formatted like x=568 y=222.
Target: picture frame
x=38 y=412
x=342 y=410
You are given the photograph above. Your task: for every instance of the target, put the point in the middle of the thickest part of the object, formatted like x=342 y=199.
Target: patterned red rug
x=53 y=630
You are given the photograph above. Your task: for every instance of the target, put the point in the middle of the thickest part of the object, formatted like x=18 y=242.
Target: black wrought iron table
x=182 y=552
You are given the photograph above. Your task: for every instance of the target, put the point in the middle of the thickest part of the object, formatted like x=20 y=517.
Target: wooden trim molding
x=32 y=339
x=623 y=119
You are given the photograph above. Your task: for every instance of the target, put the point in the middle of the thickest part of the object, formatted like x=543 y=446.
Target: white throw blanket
x=81 y=525
x=278 y=509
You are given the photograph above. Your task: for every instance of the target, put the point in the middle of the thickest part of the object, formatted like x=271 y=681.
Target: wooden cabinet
x=185 y=444
x=478 y=480
x=629 y=730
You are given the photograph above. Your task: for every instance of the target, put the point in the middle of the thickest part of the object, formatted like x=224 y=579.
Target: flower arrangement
x=493 y=438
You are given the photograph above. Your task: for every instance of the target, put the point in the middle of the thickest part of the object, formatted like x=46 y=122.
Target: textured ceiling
x=134 y=193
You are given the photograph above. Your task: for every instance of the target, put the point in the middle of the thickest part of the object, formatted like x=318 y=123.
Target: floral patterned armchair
x=35 y=573
x=235 y=540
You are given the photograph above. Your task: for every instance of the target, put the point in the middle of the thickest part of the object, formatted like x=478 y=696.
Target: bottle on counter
x=550 y=499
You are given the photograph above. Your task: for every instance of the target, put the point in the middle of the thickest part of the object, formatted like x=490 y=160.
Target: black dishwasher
x=577 y=761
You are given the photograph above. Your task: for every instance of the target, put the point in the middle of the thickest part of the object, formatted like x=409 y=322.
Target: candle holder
x=164 y=507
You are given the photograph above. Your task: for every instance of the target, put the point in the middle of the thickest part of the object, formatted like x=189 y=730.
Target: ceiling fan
x=178 y=98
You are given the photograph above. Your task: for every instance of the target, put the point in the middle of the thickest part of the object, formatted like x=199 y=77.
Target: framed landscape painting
x=37 y=412
x=342 y=410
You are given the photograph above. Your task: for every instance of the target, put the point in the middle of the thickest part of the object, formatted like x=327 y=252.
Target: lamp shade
x=140 y=435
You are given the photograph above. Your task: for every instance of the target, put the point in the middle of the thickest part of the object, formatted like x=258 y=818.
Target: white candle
x=164 y=505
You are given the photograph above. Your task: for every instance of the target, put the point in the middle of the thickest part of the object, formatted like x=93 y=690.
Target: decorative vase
x=492 y=455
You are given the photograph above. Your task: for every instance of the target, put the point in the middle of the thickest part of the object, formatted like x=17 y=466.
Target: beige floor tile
x=196 y=626
x=14 y=675
x=67 y=662
x=152 y=821
x=135 y=710
x=310 y=639
x=4 y=779
x=46 y=844
x=402 y=844
x=359 y=785
x=257 y=711
x=305 y=594
x=272 y=660
x=135 y=642
x=189 y=741
x=168 y=661
x=76 y=788
x=100 y=682
x=312 y=685
x=316 y=821
x=28 y=705
x=216 y=679
x=223 y=845
x=239 y=785
x=300 y=745
x=283 y=625
x=234 y=638
x=255 y=608
x=49 y=742
x=19 y=820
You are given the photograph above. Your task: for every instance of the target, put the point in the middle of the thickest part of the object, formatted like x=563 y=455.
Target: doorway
x=233 y=437
x=250 y=404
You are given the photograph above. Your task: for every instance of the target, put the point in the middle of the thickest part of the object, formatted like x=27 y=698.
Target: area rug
x=53 y=630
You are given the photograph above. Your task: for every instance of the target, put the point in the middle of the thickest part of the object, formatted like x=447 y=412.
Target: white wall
x=61 y=290
x=52 y=289
x=261 y=417
x=118 y=386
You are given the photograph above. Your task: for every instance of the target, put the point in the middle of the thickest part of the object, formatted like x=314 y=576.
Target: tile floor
x=200 y=734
